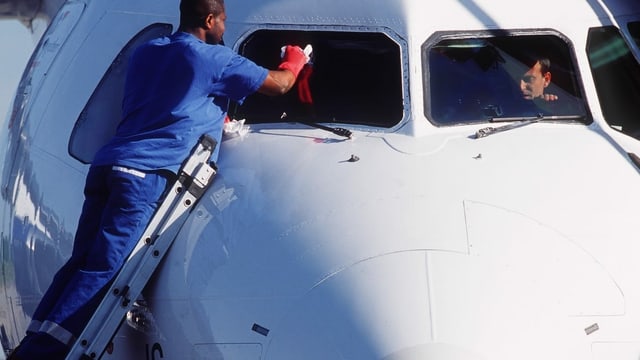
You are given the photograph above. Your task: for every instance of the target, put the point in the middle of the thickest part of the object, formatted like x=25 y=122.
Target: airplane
x=411 y=206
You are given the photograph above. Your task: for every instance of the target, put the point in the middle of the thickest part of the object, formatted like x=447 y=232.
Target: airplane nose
x=489 y=302
x=378 y=308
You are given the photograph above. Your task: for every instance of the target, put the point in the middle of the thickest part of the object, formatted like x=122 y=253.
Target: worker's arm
x=279 y=82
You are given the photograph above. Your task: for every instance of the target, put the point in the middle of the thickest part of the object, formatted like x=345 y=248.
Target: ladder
x=193 y=179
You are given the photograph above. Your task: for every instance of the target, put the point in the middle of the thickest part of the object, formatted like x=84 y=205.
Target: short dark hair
x=545 y=65
x=193 y=12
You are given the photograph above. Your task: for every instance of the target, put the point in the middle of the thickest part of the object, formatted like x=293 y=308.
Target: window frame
x=440 y=36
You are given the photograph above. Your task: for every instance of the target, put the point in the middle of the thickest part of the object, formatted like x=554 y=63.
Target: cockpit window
x=355 y=78
x=477 y=79
x=99 y=119
x=616 y=74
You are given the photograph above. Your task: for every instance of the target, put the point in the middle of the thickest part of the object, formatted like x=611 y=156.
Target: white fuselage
x=411 y=241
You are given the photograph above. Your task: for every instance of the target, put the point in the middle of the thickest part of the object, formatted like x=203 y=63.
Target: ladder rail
x=193 y=178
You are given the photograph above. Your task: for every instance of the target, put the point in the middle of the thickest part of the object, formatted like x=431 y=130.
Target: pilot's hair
x=193 y=12
x=529 y=57
x=545 y=65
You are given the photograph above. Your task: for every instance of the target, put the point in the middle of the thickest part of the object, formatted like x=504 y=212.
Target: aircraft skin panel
x=411 y=241
x=510 y=242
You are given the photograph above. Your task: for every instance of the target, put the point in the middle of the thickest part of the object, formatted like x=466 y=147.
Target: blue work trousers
x=119 y=203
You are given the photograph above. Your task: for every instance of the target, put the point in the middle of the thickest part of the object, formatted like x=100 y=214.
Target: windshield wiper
x=519 y=121
x=336 y=130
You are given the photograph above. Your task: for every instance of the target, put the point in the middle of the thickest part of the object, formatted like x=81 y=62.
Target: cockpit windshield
x=483 y=78
x=354 y=78
x=616 y=74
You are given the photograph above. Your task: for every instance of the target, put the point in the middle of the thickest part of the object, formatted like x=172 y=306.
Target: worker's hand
x=294 y=58
x=308 y=50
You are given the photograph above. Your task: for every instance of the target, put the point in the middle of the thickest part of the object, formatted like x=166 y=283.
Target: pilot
x=177 y=89
x=535 y=80
x=539 y=97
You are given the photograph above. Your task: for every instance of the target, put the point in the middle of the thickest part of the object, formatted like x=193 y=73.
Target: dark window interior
x=356 y=78
x=616 y=74
x=634 y=30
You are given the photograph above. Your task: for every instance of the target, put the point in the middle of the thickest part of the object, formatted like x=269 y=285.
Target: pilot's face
x=533 y=82
x=214 y=34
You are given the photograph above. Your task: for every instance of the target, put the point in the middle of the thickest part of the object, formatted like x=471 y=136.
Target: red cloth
x=304 y=90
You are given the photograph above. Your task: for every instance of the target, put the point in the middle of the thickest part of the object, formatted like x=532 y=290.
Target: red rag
x=304 y=89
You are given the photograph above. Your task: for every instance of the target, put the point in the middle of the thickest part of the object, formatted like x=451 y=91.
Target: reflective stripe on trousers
x=58 y=332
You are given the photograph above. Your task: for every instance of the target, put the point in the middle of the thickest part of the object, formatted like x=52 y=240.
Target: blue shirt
x=177 y=89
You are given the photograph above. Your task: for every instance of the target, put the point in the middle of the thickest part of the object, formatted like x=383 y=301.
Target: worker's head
x=207 y=15
x=536 y=79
